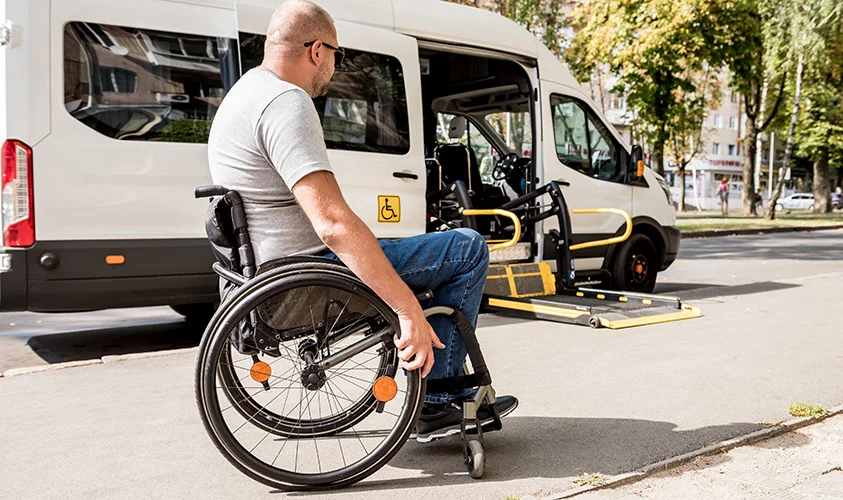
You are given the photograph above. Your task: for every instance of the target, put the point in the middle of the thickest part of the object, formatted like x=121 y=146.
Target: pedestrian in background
x=723 y=193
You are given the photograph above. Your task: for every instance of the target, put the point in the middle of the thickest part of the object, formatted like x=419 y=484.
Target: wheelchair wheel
x=322 y=404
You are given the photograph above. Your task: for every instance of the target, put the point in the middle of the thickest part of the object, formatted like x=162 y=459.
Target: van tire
x=635 y=265
x=196 y=313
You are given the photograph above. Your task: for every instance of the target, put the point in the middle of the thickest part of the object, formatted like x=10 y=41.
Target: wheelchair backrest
x=219 y=227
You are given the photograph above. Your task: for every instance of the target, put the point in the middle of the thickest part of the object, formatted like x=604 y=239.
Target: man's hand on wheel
x=415 y=345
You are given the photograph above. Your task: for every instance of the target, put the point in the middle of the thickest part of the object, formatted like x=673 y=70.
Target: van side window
x=582 y=141
x=366 y=105
x=142 y=85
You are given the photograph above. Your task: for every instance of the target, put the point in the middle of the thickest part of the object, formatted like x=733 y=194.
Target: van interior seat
x=459 y=163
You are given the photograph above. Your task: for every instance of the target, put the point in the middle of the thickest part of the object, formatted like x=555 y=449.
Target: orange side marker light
x=260 y=372
x=385 y=389
x=114 y=259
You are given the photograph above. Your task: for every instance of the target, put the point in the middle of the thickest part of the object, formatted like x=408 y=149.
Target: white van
x=106 y=107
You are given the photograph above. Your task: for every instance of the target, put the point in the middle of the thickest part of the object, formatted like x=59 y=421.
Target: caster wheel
x=594 y=322
x=475 y=459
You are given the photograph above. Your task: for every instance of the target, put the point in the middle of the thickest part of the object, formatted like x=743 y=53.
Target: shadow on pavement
x=548 y=447
x=95 y=343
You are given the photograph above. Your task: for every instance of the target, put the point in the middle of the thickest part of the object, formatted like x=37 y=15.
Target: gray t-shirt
x=265 y=137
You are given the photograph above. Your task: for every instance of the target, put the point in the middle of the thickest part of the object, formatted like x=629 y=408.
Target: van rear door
x=372 y=120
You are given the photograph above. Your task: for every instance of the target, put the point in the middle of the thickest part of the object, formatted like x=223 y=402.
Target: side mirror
x=636 y=162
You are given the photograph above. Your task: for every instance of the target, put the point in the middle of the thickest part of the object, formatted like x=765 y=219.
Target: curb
x=689 y=235
x=723 y=446
x=142 y=355
x=14 y=372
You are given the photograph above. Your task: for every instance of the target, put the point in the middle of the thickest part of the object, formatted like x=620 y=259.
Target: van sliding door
x=371 y=118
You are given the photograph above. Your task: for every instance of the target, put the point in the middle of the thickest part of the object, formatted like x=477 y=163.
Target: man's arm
x=347 y=236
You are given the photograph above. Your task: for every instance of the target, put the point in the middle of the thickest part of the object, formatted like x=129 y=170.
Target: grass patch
x=590 y=479
x=807 y=410
x=756 y=223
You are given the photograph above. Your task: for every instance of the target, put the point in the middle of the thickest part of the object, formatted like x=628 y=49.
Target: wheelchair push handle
x=211 y=190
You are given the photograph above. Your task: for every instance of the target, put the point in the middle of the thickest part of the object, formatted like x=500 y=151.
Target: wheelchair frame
x=480 y=377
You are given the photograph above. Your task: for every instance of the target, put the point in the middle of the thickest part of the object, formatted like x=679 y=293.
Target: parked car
x=796 y=201
x=836 y=201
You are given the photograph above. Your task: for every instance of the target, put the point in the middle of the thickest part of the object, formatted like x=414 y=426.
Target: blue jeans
x=453 y=264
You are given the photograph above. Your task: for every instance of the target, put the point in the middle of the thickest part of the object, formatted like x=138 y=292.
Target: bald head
x=297 y=22
x=293 y=25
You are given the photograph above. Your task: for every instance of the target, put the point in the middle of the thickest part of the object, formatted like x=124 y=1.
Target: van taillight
x=18 y=207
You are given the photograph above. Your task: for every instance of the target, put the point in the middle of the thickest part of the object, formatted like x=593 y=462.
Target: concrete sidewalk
x=804 y=464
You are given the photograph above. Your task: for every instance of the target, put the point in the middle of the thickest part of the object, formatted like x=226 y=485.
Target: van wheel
x=636 y=265
x=195 y=313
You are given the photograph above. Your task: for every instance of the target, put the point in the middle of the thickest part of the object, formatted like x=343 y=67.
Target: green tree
x=653 y=48
x=687 y=126
x=819 y=137
x=754 y=56
x=807 y=34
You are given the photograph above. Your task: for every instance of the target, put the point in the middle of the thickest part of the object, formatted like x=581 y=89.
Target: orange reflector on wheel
x=260 y=372
x=385 y=389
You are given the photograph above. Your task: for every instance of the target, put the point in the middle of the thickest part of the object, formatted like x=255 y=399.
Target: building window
x=731 y=150
x=715 y=148
x=365 y=108
x=118 y=80
x=718 y=121
x=733 y=122
x=733 y=97
x=616 y=102
x=142 y=85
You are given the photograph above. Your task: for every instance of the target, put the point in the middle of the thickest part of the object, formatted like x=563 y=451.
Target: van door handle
x=405 y=175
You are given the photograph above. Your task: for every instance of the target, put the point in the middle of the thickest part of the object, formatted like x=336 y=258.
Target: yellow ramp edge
x=687 y=312
x=561 y=312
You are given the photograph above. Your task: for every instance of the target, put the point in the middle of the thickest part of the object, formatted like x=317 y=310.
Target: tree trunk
x=756 y=178
x=794 y=118
x=822 y=187
x=658 y=149
x=748 y=190
x=682 y=189
x=658 y=158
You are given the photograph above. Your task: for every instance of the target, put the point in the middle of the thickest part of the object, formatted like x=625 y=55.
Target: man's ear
x=313 y=53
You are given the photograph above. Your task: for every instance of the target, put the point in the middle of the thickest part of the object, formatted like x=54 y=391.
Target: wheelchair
x=297 y=377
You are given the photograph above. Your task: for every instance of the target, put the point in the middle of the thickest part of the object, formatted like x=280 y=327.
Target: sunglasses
x=339 y=54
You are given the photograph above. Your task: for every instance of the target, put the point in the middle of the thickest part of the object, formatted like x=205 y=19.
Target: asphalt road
x=591 y=400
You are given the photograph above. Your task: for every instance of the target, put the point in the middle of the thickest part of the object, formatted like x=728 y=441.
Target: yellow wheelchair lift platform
x=530 y=290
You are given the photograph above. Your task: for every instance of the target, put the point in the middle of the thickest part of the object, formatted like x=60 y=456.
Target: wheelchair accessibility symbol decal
x=389 y=208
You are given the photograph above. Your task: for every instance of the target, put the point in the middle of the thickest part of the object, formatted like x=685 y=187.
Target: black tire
x=475 y=458
x=636 y=265
x=196 y=313
x=208 y=395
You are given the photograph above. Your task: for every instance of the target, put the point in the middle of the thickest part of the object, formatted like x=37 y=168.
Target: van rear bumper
x=63 y=276
x=12 y=280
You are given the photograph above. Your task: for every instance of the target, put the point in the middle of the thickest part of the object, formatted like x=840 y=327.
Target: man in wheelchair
x=267 y=143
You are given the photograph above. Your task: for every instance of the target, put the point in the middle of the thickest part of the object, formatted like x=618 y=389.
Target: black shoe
x=439 y=421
